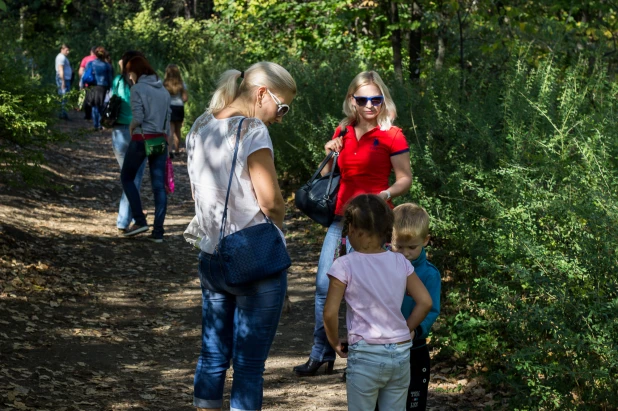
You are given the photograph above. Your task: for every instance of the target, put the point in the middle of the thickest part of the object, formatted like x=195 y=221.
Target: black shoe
x=312 y=366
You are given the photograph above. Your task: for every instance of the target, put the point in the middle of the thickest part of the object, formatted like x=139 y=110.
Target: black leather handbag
x=318 y=197
x=253 y=253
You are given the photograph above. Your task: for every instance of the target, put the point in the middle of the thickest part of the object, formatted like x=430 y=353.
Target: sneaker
x=154 y=239
x=135 y=229
x=121 y=230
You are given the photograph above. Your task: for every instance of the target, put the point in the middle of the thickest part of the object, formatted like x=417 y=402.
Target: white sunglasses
x=282 y=109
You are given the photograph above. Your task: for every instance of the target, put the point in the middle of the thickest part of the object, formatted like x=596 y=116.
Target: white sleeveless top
x=210 y=149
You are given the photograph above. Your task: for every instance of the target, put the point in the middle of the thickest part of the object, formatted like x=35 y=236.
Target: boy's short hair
x=411 y=221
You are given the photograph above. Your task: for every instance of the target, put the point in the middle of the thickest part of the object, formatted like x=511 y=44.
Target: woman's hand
x=334 y=145
x=340 y=350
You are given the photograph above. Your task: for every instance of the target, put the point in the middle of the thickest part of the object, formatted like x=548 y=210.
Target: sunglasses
x=375 y=100
x=282 y=109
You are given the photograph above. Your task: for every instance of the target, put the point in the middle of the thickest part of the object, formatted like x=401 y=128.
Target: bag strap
x=322 y=165
x=229 y=185
x=332 y=174
x=332 y=155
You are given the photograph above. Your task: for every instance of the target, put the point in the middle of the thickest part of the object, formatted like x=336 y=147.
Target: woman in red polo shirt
x=370 y=148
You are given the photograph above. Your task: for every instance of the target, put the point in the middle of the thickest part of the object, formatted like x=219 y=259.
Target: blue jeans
x=61 y=93
x=238 y=323
x=321 y=350
x=378 y=373
x=120 y=143
x=133 y=160
x=96 y=117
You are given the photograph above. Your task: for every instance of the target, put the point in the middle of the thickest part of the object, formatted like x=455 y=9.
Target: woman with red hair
x=149 y=128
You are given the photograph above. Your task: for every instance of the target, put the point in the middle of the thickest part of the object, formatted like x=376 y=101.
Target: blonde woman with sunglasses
x=370 y=149
x=238 y=323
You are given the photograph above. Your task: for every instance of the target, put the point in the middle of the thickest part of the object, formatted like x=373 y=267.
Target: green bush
x=527 y=182
x=27 y=110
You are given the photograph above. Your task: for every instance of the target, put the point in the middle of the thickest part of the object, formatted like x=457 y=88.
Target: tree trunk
x=461 y=48
x=461 y=40
x=441 y=50
x=393 y=18
x=414 y=45
x=187 y=9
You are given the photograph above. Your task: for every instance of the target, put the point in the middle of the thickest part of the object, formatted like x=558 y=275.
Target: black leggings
x=419 y=379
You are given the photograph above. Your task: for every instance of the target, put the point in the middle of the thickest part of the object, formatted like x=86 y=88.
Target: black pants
x=87 y=108
x=419 y=378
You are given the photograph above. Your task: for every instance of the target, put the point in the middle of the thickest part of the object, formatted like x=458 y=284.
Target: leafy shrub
x=527 y=182
x=27 y=109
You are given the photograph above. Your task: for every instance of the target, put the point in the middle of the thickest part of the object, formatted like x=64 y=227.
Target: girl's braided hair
x=371 y=213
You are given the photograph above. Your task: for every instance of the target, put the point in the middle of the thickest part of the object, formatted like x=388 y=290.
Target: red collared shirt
x=365 y=163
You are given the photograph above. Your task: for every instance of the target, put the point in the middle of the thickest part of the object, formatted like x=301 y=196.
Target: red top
x=365 y=163
x=87 y=60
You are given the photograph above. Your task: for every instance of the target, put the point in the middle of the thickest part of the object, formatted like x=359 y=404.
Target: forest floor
x=93 y=321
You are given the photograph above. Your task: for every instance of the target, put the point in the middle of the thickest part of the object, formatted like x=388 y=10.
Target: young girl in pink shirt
x=373 y=282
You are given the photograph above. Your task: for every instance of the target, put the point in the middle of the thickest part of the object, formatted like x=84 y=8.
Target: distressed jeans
x=238 y=324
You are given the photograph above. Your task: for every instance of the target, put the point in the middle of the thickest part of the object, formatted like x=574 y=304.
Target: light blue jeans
x=321 y=350
x=120 y=142
x=378 y=374
x=238 y=324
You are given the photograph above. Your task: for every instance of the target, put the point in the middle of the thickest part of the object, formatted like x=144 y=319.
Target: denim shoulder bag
x=253 y=253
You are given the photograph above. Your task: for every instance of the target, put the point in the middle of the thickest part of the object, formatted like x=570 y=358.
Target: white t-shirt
x=210 y=149
x=62 y=60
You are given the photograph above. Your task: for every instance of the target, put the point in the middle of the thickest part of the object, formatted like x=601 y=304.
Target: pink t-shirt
x=375 y=286
x=87 y=60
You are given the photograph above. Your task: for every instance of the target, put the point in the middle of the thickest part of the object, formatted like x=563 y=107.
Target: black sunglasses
x=375 y=100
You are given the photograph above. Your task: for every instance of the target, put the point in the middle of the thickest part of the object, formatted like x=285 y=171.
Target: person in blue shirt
x=102 y=74
x=410 y=236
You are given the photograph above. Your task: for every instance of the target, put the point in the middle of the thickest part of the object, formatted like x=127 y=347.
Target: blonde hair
x=264 y=73
x=411 y=222
x=173 y=80
x=388 y=111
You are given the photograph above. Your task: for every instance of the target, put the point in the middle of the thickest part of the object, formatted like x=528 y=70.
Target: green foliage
x=527 y=180
x=27 y=110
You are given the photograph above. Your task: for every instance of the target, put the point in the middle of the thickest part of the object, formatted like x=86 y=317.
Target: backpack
x=88 y=77
x=112 y=109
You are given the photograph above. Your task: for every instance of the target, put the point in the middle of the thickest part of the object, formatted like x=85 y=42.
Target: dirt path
x=93 y=321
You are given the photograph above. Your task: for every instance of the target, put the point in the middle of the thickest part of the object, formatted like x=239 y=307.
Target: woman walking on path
x=238 y=323
x=370 y=148
x=178 y=93
x=103 y=73
x=150 y=106
x=121 y=137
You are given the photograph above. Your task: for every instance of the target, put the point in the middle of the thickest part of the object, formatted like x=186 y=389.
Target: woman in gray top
x=150 y=106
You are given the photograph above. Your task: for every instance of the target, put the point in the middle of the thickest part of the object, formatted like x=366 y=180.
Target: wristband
x=388 y=194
